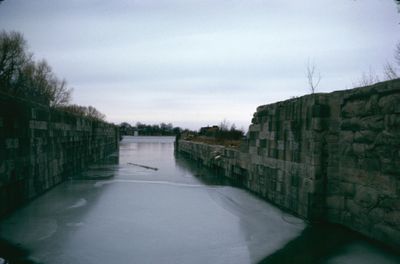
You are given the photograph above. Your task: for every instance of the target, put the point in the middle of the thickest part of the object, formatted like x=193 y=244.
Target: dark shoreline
x=318 y=242
x=14 y=254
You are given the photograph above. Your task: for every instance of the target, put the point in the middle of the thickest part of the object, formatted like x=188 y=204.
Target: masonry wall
x=363 y=165
x=40 y=147
x=227 y=162
x=286 y=154
x=333 y=157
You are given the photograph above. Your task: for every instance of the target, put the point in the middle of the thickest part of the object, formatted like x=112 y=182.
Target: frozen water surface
x=123 y=213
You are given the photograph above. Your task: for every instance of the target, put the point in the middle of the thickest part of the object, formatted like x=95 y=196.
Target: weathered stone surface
x=393 y=218
x=388 y=139
x=335 y=202
x=389 y=103
x=392 y=121
x=366 y=197
x=354 y=108
x=371 y=106
x=365 y=136
x=40 y=147
x=359 y=149
x=320 y=110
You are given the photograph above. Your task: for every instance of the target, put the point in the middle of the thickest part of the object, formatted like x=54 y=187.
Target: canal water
x=150 y=206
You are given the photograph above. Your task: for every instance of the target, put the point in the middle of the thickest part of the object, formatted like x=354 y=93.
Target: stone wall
x=227 y=162
x=40 y=147
x=363 y=188
x=286 y=153
x=333 y=157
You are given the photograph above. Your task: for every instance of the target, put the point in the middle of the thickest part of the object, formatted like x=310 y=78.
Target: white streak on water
x=101 y=183
x=81 y=202
x=75 y=224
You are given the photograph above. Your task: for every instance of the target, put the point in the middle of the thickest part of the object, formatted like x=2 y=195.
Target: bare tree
x=224 y=125
x=21 y=76
x=90 y=112
x=13 y=56
x=95 y=114
x=42 y=78
x=390 y=72
x=55 y=91
x=60 y=92
x=74 y=109
x=312 y=77
x=367 y=78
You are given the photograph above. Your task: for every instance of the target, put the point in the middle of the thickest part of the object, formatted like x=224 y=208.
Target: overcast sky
x=197 y=62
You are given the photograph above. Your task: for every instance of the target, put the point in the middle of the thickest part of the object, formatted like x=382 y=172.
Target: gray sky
x=197 y=62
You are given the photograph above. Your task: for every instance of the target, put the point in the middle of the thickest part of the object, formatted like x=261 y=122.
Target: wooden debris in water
x=143 y=166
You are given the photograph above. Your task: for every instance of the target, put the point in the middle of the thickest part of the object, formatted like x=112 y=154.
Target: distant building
x=126 y=129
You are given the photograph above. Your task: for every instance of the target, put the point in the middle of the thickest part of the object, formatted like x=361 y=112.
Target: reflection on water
x=180 y=213
x=203 y=174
